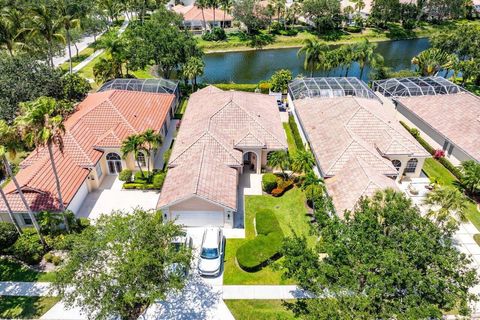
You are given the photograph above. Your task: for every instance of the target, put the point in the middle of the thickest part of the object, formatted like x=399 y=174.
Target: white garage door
x=199 y=218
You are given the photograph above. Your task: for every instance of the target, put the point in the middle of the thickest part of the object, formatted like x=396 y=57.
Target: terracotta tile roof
x=218 y=123
x=193 y=13
x=356 y=180
x=455 y=116
x=340 y=128
x=103 y=120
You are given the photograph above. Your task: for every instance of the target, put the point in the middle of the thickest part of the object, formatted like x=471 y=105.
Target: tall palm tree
x=105 y=69
x=46 y=24
x=192 y=69
x=202 y=4
x=133 y=144
x=303 y=161
x=9 y=145
x=365 y=55
x=447 y=206
x=115 y=47
x=280 y=160
x=312 y=179
x=314 y=54
x=70 y=20
x=151 y=143
x=226 y=6
x=359 y=5
x=349 y=56
x=431 y=61
x=10 y=29
x=213 y=4
x=278 y=7
x=41 y=125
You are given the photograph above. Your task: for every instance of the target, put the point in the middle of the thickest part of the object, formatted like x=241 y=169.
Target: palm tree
x=9 y=141
x=47 y=25
x=365 y=54
x=213 y=5
x=133 y=144
x=470 y=180
x=348 y=52
x=192 y=69
x=105 y=69
x=202 y=4
x=278 y=7
x=9 y=210
x=115 y=47
x=41 y=125
x=10 y=29
x=70 y=20
x=359 y=5
x=226 y=6
x=311 y=179
x=279 y=159
x=151 y=142
x=314 y=54
x=303 y=161
x=431 y=61
x=447 y=206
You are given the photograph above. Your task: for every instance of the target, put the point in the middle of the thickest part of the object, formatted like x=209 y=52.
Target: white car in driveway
x=211 y=252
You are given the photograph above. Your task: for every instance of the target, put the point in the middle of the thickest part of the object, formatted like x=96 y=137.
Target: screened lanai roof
x=410 y=87
x=329 y=87
x=142 y=85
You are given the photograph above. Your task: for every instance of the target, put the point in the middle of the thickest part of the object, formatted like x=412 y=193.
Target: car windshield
x=209 y=253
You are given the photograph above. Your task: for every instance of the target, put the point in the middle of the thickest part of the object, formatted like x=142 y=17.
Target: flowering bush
x=439 y=154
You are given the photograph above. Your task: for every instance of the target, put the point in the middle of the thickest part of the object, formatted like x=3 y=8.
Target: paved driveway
x=110 y=197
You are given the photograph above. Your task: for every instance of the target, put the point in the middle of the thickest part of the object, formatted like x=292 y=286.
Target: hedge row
x=296 y=134
x=249 y=87
x=447 y=164
x=257 y=253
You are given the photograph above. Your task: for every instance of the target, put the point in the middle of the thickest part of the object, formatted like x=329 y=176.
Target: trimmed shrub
x=139 y=186
x=353 y=29
x=140 y=177
x=313 y=192
x=296 y=134
x=125 y=175
x=238 y=87
x=257 y=253
x=269 y=182
x=83 y=223
x=8 y=235
x=62 y=242
x=48 y=257
x=217 y=34
x=158 y=180
x=56 y=260
x=28 y=247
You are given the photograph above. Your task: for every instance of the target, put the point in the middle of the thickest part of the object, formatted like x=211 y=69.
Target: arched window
x=114 y=163
x=411 y=165
x=141 y=159
x=113 y=156
x=397 y=164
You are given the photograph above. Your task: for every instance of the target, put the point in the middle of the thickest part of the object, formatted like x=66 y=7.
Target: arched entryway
x=250 y=161
x=114 y=163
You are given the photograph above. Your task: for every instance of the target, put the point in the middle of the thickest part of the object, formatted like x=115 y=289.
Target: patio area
x=110 y=197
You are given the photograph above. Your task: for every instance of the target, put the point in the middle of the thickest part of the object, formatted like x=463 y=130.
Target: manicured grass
x=13 y=271
x=82 y=55
x=290 y=212
x=476 y=237
x=14 y=307
x=259 y=309
x=292 y=148
x=87 y=71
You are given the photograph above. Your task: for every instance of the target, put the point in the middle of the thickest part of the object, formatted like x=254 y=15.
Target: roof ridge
x=249 y=133
x=202 y=157
x=188 y=147
x=79 y=147
x=119 y=113
x=220 y=143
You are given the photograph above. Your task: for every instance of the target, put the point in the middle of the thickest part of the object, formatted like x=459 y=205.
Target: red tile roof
x=194 y=13
x=103 y=120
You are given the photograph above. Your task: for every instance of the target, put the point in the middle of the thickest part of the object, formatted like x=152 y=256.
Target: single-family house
x=222 y=135
x=447 y=115
x=358 y=144
x=195 y=18
x=92 y=142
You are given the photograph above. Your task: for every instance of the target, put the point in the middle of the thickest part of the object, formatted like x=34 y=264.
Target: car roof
x=211 y=238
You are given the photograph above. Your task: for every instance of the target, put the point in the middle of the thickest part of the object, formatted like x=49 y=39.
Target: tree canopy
x=122 y=264
x=384 y=261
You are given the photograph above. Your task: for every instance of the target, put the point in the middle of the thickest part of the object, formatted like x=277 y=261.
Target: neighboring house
x=358 y=144
x=365 y=12
x=222 y=135
x=193 y=17
x=92 y=142
x=447 y=115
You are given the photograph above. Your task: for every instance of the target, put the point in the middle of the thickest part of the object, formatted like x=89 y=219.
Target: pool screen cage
x=301 y=88
x=411 y=87
x=143 y=85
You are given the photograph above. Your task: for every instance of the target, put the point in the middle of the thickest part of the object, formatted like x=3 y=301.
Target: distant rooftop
x=142 y=85
x=412 y=87
x=329 y=87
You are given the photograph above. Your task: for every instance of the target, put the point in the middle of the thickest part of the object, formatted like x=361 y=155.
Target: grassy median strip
x=259 y=309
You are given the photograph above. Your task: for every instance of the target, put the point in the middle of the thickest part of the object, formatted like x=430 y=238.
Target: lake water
x=254 y=66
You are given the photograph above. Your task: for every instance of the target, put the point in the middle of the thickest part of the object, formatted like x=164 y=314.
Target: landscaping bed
x=15 y=307
x=289 y=210
x=142 y=181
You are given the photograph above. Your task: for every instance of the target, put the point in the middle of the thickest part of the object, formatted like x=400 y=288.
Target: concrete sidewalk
x=264 y=292
x=28 y=289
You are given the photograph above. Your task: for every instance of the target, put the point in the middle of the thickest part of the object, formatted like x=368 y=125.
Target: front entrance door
x=114 y=163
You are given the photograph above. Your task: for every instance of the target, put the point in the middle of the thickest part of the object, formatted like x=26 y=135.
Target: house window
x=411 y=165
x=141 y=159
x=26 y=219
x=98 y=168
x=397 y=164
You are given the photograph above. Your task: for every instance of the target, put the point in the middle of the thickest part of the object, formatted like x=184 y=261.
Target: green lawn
x=438 y=173
x=13 y=271
x=87 y=71
x=259 y=309
x=292 y=148
x=290 y=212
x=82 y=55
x=13 y=307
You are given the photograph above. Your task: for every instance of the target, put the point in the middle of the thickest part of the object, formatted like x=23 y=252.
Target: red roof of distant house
x=103 y=120
x=194 y=13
